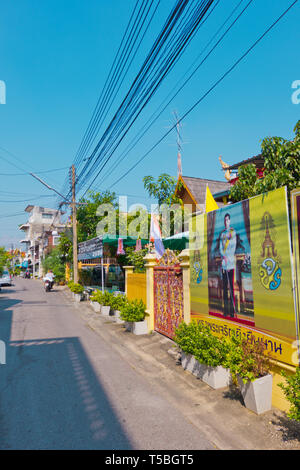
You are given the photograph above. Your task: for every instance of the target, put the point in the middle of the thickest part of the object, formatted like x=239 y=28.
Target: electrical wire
x=193 y=20
x=209 y=91
x=38 y=172
x=161 y=109
x=116 y=76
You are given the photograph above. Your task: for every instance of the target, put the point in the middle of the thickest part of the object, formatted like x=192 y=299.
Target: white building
x=41 y=233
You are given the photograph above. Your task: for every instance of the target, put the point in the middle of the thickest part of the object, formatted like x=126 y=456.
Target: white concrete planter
x=137 y=328
x=78 y=297
x=117 y=317
x=215 y=377
x=257 y=395
x=188 y=362
x=96 y=307
x=105 y=309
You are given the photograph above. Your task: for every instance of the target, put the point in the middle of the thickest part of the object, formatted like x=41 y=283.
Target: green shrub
x=248 y=359
x=291 y=389
x=198 y=340
x=55 y=262
x=76 y=288
x=133 y=311
x=105 y=298
x=118 y=301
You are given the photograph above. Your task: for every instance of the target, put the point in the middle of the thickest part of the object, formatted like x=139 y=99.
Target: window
x=56 y=240
x=47 y=216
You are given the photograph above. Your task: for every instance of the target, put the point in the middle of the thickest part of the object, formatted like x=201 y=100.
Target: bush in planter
x=95 y=299
x=76 y=288
x=133 y=311
x=117 y=302
x=291 y=390
x=106 y=298
x=198 y=340
x=250 y=367
x=204 y=354
x=96 y=296
x=248 y=359
x=70 y=284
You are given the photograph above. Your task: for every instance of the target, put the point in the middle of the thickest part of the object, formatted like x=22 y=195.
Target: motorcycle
x=48 y=285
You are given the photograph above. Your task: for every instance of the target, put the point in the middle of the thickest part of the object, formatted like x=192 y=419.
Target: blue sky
x=54 y=59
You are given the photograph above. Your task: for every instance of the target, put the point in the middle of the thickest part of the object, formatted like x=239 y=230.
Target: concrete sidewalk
x=220 y=414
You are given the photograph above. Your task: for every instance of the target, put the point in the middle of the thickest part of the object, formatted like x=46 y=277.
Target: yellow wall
x=136 y=286
x=278 y=398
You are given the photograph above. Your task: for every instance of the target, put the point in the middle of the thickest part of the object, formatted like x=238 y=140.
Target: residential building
x=192 y=191
x=41 y=234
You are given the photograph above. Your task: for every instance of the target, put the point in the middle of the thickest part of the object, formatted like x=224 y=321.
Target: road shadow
x=289 y=428
x=233 y=393
x=50 y=395
x=6 y=304
x=51 y=398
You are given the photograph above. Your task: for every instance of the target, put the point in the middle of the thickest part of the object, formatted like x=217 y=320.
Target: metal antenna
x=179 y=147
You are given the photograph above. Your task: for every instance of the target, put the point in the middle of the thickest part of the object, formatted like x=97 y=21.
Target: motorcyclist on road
x=50 y=277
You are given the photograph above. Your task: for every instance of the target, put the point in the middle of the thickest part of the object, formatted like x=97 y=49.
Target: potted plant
x=250 y=368
x=117 y=302
x=133 y=312
x=204 y=354
x=291 y=389
x=106 y=299
x=186 y=338
x=95 y=300
x=77 y=290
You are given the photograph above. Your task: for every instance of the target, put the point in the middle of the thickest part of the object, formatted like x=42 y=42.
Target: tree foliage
x=87 y=218
x=136 y=258
x=55 y=262
x=162 y=189
x=281 y=168
x=4 y=256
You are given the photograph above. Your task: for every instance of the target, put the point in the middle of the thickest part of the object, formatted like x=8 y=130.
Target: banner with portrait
x=241 y=272
x=295 y=211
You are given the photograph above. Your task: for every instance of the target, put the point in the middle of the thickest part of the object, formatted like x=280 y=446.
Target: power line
x=116 y=75
x=38 y=172
x=159 y=61
x=155 y=116
x=26 y=200
x=209 y=91
x=17 y=214
x=166 y=64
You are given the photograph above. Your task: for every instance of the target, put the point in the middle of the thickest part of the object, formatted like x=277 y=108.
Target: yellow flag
x=210 y=204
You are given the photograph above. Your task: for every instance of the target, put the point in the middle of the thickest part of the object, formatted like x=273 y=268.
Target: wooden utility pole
x=74 y=219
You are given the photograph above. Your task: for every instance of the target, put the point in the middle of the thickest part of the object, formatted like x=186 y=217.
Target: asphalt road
x=65 y=387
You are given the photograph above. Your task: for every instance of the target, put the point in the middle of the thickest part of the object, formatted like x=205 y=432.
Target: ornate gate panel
x=168 y=295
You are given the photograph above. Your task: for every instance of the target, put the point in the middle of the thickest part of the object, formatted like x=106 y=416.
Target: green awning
x=128 y=241
x=177 y=242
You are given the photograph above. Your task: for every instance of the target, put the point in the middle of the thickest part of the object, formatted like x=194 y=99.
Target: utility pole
x=74 y=220
x=73 y=204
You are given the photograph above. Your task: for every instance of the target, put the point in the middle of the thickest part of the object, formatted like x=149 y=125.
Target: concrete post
x=128 y=270
x=184 y=258
x=150 y=262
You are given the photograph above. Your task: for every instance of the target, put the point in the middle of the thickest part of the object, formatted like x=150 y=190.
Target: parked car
x=5 y=279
